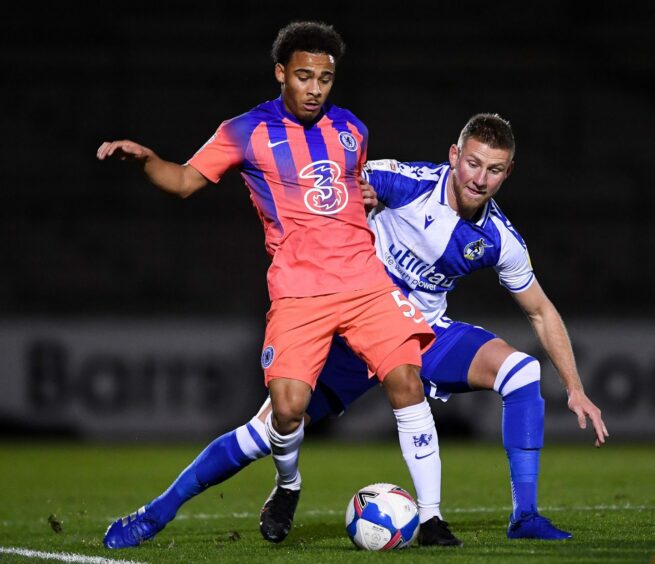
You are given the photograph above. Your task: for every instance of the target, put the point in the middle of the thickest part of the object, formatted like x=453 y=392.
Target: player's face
x=306 y=82
x=478 y=171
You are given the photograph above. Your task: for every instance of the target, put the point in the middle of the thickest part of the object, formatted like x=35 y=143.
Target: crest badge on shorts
x=268 y=355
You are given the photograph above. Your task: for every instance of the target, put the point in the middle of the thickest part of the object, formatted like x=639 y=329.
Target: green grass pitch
x=606 y=497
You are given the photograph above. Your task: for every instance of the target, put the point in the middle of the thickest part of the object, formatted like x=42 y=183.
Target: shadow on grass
x=317 y=536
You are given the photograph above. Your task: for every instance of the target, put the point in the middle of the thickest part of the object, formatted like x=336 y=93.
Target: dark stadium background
x=84 y=240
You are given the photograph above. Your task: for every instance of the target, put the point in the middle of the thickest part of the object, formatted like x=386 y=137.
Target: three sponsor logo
x=328 y=195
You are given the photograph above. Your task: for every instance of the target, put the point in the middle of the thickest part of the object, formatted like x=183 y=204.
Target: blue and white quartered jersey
x=426 y=247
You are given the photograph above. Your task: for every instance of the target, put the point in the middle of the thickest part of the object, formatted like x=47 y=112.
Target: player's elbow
x=184 y=193
x=178 y=190
x=191 y=181
x=187 y=187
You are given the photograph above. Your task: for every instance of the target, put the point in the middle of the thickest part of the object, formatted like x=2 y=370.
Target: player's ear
x=510 y=168
x=453 y=155
x=279 y=73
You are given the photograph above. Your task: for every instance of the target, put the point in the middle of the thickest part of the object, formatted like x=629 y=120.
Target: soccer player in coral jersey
x=301 y=159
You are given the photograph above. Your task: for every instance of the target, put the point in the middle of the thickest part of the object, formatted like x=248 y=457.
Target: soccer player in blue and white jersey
x=438 y=223
x=433 y=224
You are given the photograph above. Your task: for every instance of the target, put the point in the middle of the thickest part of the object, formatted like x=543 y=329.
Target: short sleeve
x=224 y=150
x=398 y=184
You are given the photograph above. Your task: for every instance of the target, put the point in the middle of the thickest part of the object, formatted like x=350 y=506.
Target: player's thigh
x=446 y=365
x=487 y=362
x=289 y=399
x=297 y=340
x=379 y=321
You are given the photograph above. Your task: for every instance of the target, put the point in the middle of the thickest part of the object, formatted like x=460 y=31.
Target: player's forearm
x=554 y=338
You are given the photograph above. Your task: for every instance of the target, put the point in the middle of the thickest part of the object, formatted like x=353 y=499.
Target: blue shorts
x=446 y=363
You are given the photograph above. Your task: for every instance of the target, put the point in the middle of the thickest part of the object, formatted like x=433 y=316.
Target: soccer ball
x=382 y=517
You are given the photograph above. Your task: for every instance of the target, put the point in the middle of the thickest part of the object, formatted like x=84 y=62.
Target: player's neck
x=304 y=122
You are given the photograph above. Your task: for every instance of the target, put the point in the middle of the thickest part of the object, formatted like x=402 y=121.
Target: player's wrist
x=574 y=390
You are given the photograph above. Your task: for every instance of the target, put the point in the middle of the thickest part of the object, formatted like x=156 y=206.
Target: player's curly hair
x=490 y=129
x=313 y=37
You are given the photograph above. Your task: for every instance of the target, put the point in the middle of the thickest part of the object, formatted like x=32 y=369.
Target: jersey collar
x=484 y=216
x=440 y=188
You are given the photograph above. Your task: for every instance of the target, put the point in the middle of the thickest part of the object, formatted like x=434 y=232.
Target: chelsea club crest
x=268 y=355
x=347 y=140
x=475 y=249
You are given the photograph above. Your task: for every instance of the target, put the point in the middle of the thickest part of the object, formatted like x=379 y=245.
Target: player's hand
x=583 y=407
x=369 y=194
x=124 y=150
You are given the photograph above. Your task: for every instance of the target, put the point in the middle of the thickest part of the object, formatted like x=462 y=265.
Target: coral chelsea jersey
x=303 y=182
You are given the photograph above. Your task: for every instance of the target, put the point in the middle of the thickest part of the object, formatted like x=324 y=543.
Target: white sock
x=420 y=447
x=286 y=450
x=253 y=440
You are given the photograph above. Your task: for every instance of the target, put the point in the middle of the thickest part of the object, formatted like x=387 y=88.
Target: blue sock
x=221 y=459
x=523 y=429
x=524 y=475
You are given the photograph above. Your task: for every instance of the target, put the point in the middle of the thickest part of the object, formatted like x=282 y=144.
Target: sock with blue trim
x=286 y=451
x=221 y=459
x=518 y=383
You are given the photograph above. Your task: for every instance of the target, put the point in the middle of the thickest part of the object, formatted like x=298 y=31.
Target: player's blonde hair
x=490 y=129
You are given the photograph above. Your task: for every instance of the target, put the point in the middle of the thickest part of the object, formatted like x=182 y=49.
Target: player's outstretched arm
x=552 y=335
x=171 y=177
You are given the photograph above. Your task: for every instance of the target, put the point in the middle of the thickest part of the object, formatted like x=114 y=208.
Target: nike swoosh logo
x=428 y=221
x=424 y=456
x=271 y=145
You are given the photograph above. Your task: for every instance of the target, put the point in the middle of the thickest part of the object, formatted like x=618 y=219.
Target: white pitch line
x=63 y=556
x=321 y=512
x=626 y=507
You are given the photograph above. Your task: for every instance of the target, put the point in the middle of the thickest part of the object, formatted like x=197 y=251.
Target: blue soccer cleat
x=133 y=530
x=534 y=526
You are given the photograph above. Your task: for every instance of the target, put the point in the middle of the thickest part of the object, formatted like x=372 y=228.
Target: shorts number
x=401 y=302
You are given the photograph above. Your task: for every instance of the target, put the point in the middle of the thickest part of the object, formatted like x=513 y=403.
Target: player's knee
x=287 y=416
x=518 y=371
x=403 y=386
x=289 y=399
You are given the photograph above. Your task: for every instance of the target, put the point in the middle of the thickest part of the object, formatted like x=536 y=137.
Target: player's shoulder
x=416 y=170
x=337 y=113
x=243 y=124
x=399 y=184
x=258 y=113
x=502 y=222
x=497 y=213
